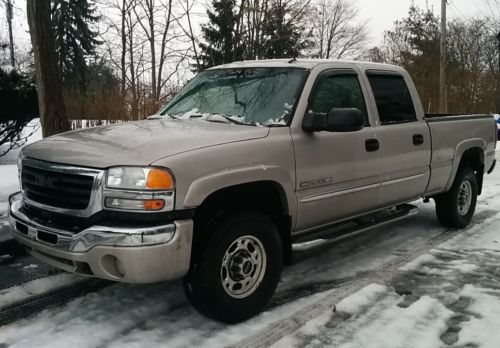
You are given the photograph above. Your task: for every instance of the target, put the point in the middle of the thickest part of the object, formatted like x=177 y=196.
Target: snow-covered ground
x=9 y=183
x=448 y=297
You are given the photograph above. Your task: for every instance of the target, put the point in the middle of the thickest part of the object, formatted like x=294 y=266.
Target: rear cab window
x=393 y=98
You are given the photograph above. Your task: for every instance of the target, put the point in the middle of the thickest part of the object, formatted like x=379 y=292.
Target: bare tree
x=131 y=23
x=50 y=99
x=14 y=134
x=473 y=66
x=189 y=32
x=156 y=19
x=124 y=30
x=336 y=33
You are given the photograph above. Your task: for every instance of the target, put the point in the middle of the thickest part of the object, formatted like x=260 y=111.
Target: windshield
x=253 y=96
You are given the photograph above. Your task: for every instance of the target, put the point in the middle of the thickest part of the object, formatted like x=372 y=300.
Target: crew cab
x=246 y=160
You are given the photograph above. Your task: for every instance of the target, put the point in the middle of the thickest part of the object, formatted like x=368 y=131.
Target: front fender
x=203 y=187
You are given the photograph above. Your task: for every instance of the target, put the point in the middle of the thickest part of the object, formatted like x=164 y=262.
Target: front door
x=337 y=173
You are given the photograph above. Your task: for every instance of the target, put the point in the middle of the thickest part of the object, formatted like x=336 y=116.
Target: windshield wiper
x=171 y=116
x=228 y=118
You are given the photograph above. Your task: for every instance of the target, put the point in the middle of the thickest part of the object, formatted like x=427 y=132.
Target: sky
x=381 y=14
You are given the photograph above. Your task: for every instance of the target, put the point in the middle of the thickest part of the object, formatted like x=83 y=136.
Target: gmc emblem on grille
x=45 y=181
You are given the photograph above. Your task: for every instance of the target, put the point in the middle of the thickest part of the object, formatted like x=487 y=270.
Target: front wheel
x=238 y=270
x=456 y=207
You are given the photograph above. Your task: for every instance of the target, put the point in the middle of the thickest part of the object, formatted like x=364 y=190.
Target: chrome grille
x=56 y=188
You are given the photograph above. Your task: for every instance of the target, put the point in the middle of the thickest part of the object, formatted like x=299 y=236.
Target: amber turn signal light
x=159 y=179
x=154 y=204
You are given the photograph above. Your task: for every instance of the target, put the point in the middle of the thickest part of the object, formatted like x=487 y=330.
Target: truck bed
x=451 y=135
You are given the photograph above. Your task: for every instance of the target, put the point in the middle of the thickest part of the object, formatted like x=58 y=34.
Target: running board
x=353 y=227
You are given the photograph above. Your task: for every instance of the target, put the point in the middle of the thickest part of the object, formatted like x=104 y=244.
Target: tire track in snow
x=56 y=297
x=382 y=274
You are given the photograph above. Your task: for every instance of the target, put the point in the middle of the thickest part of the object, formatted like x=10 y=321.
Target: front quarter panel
x=201 y=172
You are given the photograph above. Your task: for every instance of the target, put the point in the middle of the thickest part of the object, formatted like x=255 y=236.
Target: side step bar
x=353 y=227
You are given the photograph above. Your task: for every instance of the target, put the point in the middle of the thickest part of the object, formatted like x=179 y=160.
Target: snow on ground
x=429 y=303
x=447 y=298
x=133 y=316
x=35 y=287
x=9 y=183
x=138 y=316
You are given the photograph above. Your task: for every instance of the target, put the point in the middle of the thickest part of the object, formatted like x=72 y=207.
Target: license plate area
x=34 y=234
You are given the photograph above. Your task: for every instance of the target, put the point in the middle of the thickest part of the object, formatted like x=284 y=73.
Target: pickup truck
x=247 y=160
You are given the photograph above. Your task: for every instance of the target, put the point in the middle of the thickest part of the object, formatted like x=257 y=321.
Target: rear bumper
x=125 y=254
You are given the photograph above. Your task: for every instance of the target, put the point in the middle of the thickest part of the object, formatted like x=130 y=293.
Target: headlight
x=148 y=189
x=136 y=178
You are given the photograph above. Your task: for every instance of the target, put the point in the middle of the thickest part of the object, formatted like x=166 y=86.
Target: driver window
x=338 y=91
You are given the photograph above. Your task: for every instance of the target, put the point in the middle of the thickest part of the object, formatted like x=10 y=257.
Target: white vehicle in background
x=497 y=121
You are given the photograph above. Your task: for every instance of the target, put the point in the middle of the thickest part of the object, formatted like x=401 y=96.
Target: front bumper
x=125 y=254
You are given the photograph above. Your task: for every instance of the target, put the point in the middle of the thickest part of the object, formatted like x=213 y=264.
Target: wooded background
x=123 y=59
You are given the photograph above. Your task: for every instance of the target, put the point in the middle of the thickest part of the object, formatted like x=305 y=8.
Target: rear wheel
x=238 y=270
x=456 y=207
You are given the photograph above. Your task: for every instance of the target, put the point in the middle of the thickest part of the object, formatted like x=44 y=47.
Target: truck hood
x=137 y=143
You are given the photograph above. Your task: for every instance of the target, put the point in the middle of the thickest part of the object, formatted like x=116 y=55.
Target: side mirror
x=337 y=120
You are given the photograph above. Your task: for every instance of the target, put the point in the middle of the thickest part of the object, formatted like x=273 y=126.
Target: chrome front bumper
x=127 y=254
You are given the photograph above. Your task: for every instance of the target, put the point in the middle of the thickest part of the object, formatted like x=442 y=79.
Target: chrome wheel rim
x=243 y=267
x=464 y=198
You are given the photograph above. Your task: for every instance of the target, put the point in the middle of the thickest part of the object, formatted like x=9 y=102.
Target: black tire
x=205 y=284
x=449 y=204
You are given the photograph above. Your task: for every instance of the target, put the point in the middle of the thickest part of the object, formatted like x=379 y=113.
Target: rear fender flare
x=462 y=147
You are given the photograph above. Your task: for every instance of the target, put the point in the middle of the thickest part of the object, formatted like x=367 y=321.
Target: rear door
x=404 y=136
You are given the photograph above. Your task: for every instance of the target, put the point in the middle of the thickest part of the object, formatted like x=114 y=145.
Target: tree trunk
x=50 y=100
x=124 y=51
x=152 y=43
x=8 y=5
x=133 y=85
x=497 y=101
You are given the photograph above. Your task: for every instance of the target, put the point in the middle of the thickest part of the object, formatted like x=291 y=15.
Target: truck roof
x=306 y=64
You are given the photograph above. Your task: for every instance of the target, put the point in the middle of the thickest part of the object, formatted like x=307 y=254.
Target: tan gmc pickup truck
x=245 y=161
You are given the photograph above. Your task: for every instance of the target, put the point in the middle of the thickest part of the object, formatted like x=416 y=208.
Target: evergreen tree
x=75 y=39
x=221 y=44
x=285 y=36
x=414 y=44
x=17 y=96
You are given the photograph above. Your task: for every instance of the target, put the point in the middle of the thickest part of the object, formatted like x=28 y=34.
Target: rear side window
x=338 y=91
x=393 y=99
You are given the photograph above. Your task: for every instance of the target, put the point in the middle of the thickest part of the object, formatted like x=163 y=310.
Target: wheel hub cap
x=243 y=267
x=464 y=198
